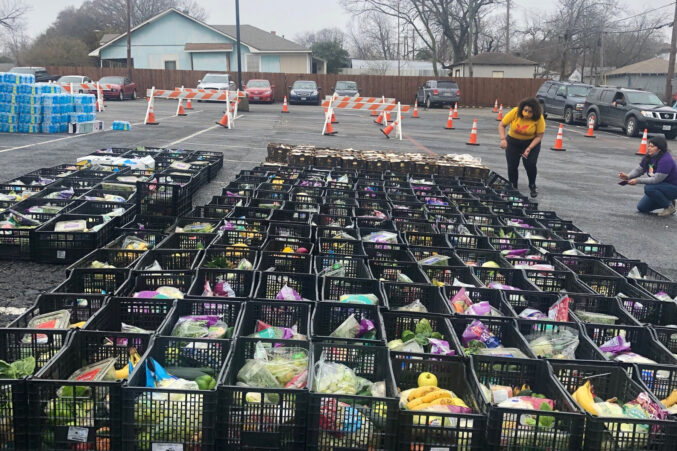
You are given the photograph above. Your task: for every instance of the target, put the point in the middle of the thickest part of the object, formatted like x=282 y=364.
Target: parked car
x=438 y=93
x=632 y=110
x=115 y=87
x=41 y=74
x=304 y=91
x=260 y=91
x=347 y=88
x=217 y=81
x=76 y=80
x=562 y=98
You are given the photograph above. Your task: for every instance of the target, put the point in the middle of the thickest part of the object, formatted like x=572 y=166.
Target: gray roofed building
x=262 y=40
x=495 y=65
x=650 y=75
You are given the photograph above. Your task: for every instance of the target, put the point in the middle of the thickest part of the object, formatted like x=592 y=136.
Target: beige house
x=495 y=65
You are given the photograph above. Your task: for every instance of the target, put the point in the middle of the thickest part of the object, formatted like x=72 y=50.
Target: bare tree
x=373 y=37
x=11 y=12
x=324 y=35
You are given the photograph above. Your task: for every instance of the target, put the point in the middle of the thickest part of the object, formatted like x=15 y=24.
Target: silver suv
x=438 y=93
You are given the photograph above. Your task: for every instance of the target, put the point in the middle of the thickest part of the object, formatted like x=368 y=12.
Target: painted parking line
x=12 y=310
x=186 y=138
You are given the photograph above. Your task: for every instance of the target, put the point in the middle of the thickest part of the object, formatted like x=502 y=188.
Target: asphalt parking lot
x=579 y=184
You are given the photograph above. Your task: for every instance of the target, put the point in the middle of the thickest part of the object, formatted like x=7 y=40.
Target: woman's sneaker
x=533 y=191
x=669 y=210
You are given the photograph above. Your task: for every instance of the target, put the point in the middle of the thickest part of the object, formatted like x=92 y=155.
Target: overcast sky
x=287 y=17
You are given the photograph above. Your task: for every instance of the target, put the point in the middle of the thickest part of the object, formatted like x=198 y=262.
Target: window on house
x=170 y=65
x=253 y=63
x=497 y=74
x=458 y=73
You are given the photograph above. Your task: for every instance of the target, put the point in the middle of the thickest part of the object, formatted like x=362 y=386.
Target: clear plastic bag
x=334 y=378
x=554 y=345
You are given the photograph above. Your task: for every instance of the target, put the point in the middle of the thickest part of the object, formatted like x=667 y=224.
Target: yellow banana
x=670 y=400
x=583 y=396
x=439 y=393
x=134 y=359
x=421 y=391
x=411 y=405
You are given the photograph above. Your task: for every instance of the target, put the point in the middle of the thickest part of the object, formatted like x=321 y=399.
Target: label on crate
x=167 y=447
x=76 y=434
x=437 y=448
x=61 y=255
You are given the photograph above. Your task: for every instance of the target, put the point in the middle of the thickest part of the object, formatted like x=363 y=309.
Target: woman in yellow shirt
x=523 y=141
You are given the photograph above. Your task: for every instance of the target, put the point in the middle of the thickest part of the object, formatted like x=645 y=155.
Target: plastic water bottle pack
x=122 y=125
x=8 y=118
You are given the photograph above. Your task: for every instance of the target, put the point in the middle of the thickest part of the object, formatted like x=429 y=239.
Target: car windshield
x=447 y=85
x=347 y=85
x=70 y=79
x=643 y=98
x=22 y=70
x=215 y=79
x=304 y=85
x=111 y=81
x=258 y=84
x=579 y=91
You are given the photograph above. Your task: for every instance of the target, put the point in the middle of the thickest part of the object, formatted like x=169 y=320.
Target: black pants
x=513 y=155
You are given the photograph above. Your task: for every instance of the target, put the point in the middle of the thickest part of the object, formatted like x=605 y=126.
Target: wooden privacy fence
x=474 y=91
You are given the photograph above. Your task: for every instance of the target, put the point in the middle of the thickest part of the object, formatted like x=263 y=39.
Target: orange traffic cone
x=642 y=146
x=495 y=110
x=500 y=113
x=379 y=119
x=415 y=115
x=473 y=134
x=388 y=116
x=386 y=131
x=374 y=113
x=333 y=117
x=455 y=116
x=450 y=121
x=558 y=141
x=151 y=116
x=189 y=104
x=180 y=111
x=591 y=128
x=330 y=130
x=224 y=120
x=284 y=105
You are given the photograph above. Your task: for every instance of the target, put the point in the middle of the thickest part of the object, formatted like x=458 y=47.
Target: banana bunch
x=134 y=359
x=584 y=397
x=424 y=397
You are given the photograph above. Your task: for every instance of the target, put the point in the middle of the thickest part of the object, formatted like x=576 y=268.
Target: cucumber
x=189 y=373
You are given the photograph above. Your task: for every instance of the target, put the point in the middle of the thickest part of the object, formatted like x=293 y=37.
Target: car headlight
x=647 y=113
x=314 y=93
x=579 y=106
x=292 y=92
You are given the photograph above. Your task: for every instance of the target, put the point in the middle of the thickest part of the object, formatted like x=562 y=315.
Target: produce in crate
x=415 y=306
x=264 y=330
x=101 y=265
x=277 y=367
x=364 y=298
x=478 y=339
x=671 y=402
x=287 y=293
x=597 y=318
x=339 y=379
x=59 y=319
x=351 y=328
x=461 y=303
x=201 y=326
x=559 y=311
x=381 y=236
x=222 y=289
x=434 y=260
x=16 y=370
x=422 y=339
x=428 y=398
x=554 y=345
x=14 y=220
x=619 y=349
x=224 y=263
x=523 y=398
x=134 y=243
x=196 y=227
x=160 y=293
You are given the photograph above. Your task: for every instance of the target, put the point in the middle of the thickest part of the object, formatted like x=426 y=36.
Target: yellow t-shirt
x=522 y=128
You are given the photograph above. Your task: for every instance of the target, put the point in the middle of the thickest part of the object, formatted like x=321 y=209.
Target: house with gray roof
x=649 y=75
x=495 y=65
x=173 y=40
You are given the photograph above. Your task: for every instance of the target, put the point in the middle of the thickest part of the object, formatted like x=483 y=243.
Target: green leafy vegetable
x=18 y=369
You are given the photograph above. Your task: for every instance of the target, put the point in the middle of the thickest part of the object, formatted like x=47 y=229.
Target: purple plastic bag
x=616 y=345
x=440 y=347
x=366 y=326
x=478 y=331
x=287 y=293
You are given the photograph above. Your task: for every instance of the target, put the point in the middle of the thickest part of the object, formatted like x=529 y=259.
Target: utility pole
x=398 y=38
x=671 y=60
x=129 y=40
x=507 y=26
x=237 y=37
x=471 y=21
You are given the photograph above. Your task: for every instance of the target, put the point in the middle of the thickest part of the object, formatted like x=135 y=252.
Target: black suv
x=438 y=92
x=41 y=74
x=564 y=99
x=630 y=109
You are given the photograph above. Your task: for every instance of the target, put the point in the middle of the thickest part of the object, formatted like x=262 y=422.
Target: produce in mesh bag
x=351 y=328
x=597 y=318
x=368 y=298
x=561 y=344
x=200 y=326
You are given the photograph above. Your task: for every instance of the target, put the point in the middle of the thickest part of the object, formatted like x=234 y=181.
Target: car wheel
x=428 y=103
x=134 y=95
x=568 y=116
x=592 y=117
x=631 y=126
x=121 y=97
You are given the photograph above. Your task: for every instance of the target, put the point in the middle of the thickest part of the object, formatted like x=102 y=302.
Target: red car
x=119 y=88
x=260 y=91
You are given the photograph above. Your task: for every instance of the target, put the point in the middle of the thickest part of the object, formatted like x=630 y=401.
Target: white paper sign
x=77 y=434
x=167 y=447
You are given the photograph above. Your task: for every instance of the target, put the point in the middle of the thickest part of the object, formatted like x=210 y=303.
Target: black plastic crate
x=493 y=297
x=504 y=428
x=106 y=208
x=338 y=206
x=597 y=250
x=302 y=216
x=652 y=312
x=34 y=203
x=654 y=287
x=17 y=243
x=335 y=233
x=67 y=247
x=447 y=274
x=239 y=189
x=81 y=307
x=623 y=266
x=95 y=281
x=328 y=316
x=640 y=338
x=469 y=241
x=422 y=252
x=504 y=329
x=138 y=240
x=372 y=363
x=78 y=414
x=230 y=256
x=279 y=244
x=147 y=314
x=478 y=257
x=151 y=223
x=251 y=213
x=210 y=211
x=396 y=323
x=169 y=260
x=426 y=430
x=188 y=241
x=277 y=423
x=120 y=258
x=600 y=304
x=335 y=287
x=400 y=295
x=426 y=239
x=482 y=219
x=354 y=266
x=167 y=199
x=613 y=286
x=584 y=266
x=152 y=280
x=241 y=282
x=296 y=315
x=548 y=280
x=190 y=416
x=206 y=225
x=290 y=229
x=395 y=271
x=512 y=277
x=667 y=336
x=286 y=262
x=586 y=349
x=342 y=222
x=269 y=196
x=270 y=284
x=388 y=252
x=612 y=433
x=661 y=380
x=230 y=313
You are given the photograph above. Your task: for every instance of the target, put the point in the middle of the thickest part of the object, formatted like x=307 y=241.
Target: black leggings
x=513 y=155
